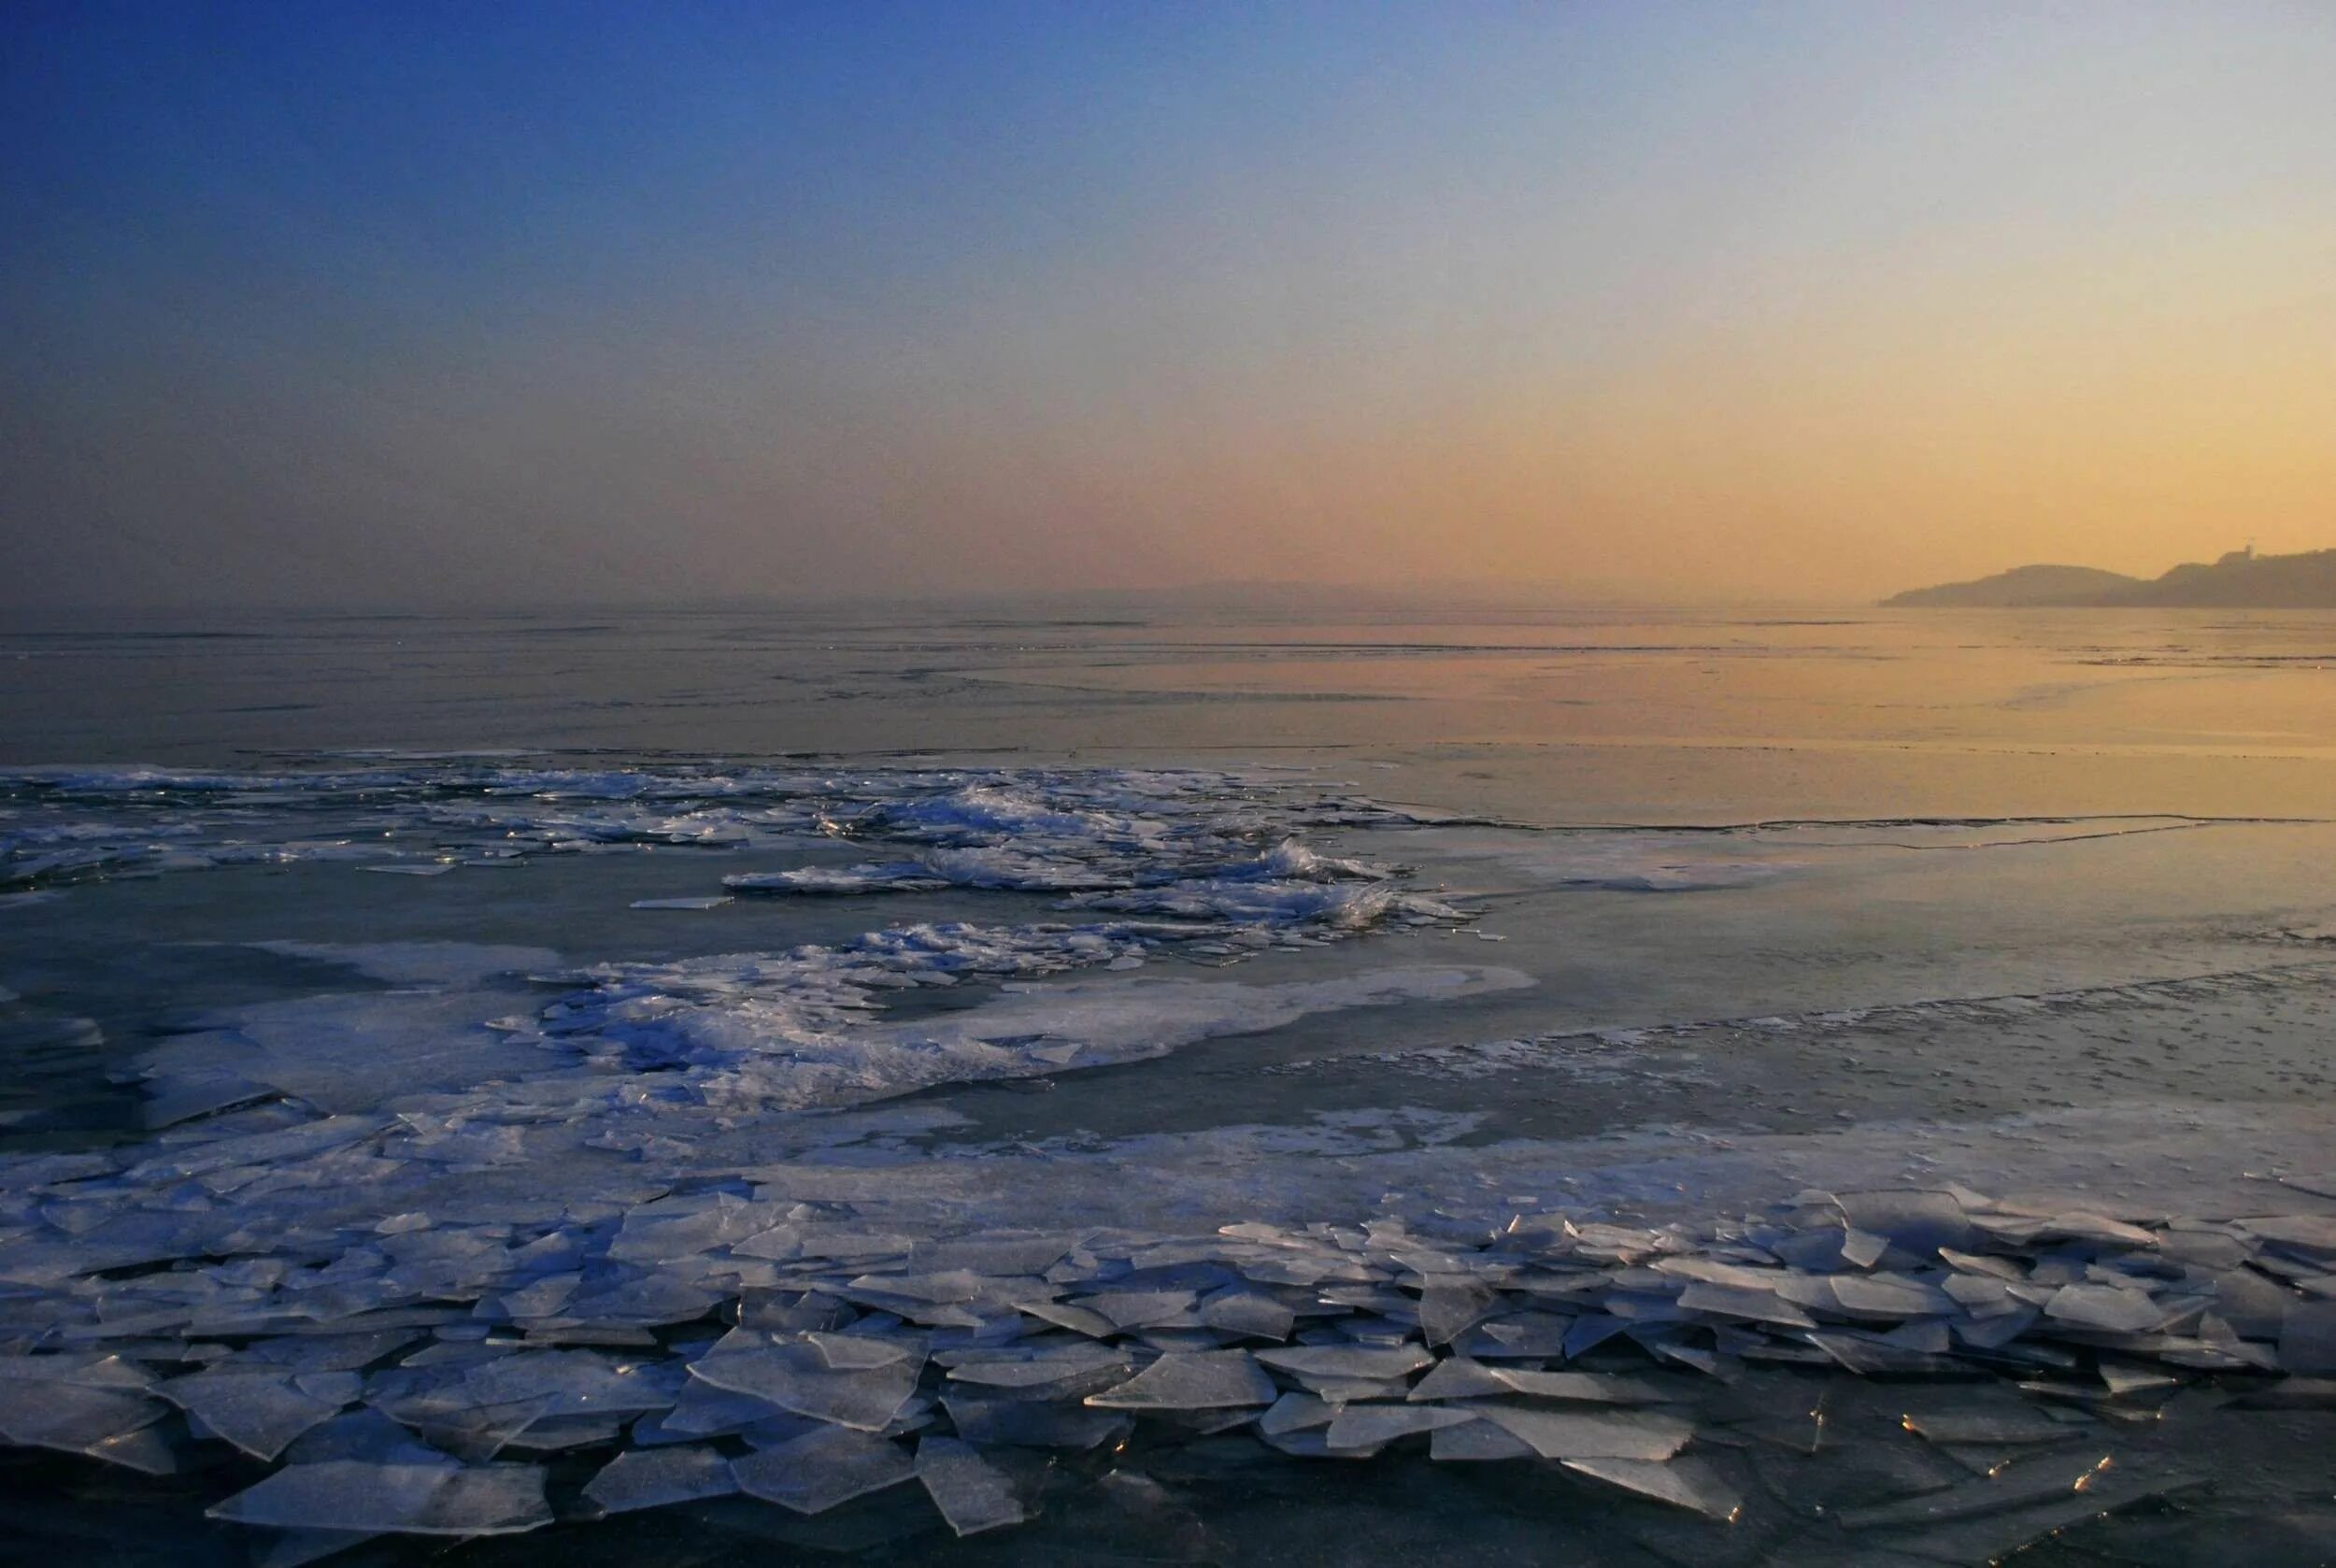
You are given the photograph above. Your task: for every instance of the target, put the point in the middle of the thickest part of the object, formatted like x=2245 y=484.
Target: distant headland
x=2239 y=580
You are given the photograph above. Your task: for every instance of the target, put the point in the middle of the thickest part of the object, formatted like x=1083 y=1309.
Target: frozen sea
x=1098 y=1083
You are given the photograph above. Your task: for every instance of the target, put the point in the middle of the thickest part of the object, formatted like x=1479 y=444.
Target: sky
x=351 y=302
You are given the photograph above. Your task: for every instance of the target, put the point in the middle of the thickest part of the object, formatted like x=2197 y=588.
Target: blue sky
x=457 y=301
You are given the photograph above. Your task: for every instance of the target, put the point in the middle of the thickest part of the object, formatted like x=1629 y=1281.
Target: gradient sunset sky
x=320 y=302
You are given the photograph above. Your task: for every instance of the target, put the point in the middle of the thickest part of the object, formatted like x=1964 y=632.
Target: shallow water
x=1657 y=919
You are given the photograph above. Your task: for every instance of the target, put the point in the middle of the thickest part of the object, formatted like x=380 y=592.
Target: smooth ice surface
x=1204 y=1380
x=259 y=1412
x=972 y=1494
x=794 y=1376
x=654 y=1478
x=1682 y=1483
x=1566 y=1434
x=411 y=1499
x=822 y=1469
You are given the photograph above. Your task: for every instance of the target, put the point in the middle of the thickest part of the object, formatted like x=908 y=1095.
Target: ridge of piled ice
x=1061 y=830
x=865 y=1344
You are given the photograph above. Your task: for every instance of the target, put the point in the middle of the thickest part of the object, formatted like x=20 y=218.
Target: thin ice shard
x=1683 y=1483
x=973 y=1494
x=794 y=1376
x=395 y=1499
x=1024 y=1423
x=1373 y=1426
x=654 y=1477
x=1735 y=1301
x=854 y=1352
x=1458 y=1377
x=259 y=1412
x=1351 y=1361
x=1248 y=1315
x=1140 y=1309
x=1204 y=1380
x=55 y=1414
x=1589 y=1387
x=2109 y=1308
x=1449 y=1306
x=1569 y=1434
x=817 y=1472
x=1476 y=1441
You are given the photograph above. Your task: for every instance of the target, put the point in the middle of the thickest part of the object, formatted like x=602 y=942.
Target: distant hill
x=2020 y=586
x=2239 y=580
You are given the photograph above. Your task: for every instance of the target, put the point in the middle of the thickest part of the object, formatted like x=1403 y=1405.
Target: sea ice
x=1569 y=1434
x=1683 y=1483
x=972 y=1494
x=1372 y=1426
x=259 y=1412
x=394 y=1499
x=794 y=1376
x=654 y=1477
x=1206 y=1381
x=820 y=1470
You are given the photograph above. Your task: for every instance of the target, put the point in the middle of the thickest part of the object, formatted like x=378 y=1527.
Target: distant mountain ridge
x=2239 y=580
x=2021 y=585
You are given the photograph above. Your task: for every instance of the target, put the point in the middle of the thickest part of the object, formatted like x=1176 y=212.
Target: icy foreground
x=379 y=1270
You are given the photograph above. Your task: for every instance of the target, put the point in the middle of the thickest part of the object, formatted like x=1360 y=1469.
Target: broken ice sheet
x=259 y=1412
x=1025 y=1424
x=394 y=1499
x=1448 y=1306
x=1476 y=1441
x=848 y=1352
x=1459 y=1378
x=1348 y=1361
x=654 y=1477
x=1138 y=1309
x=1372 y=1426
x=794 y=1376
x=822 y=1469
x=972 y=1494
x=1248 y=1315
x=1589 y=1387
x=1570 y=1434
x=1055 y=1376
x=1683 y=1483
x=2109 y=1308
x=47 y=1413
x=1202 y=1380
